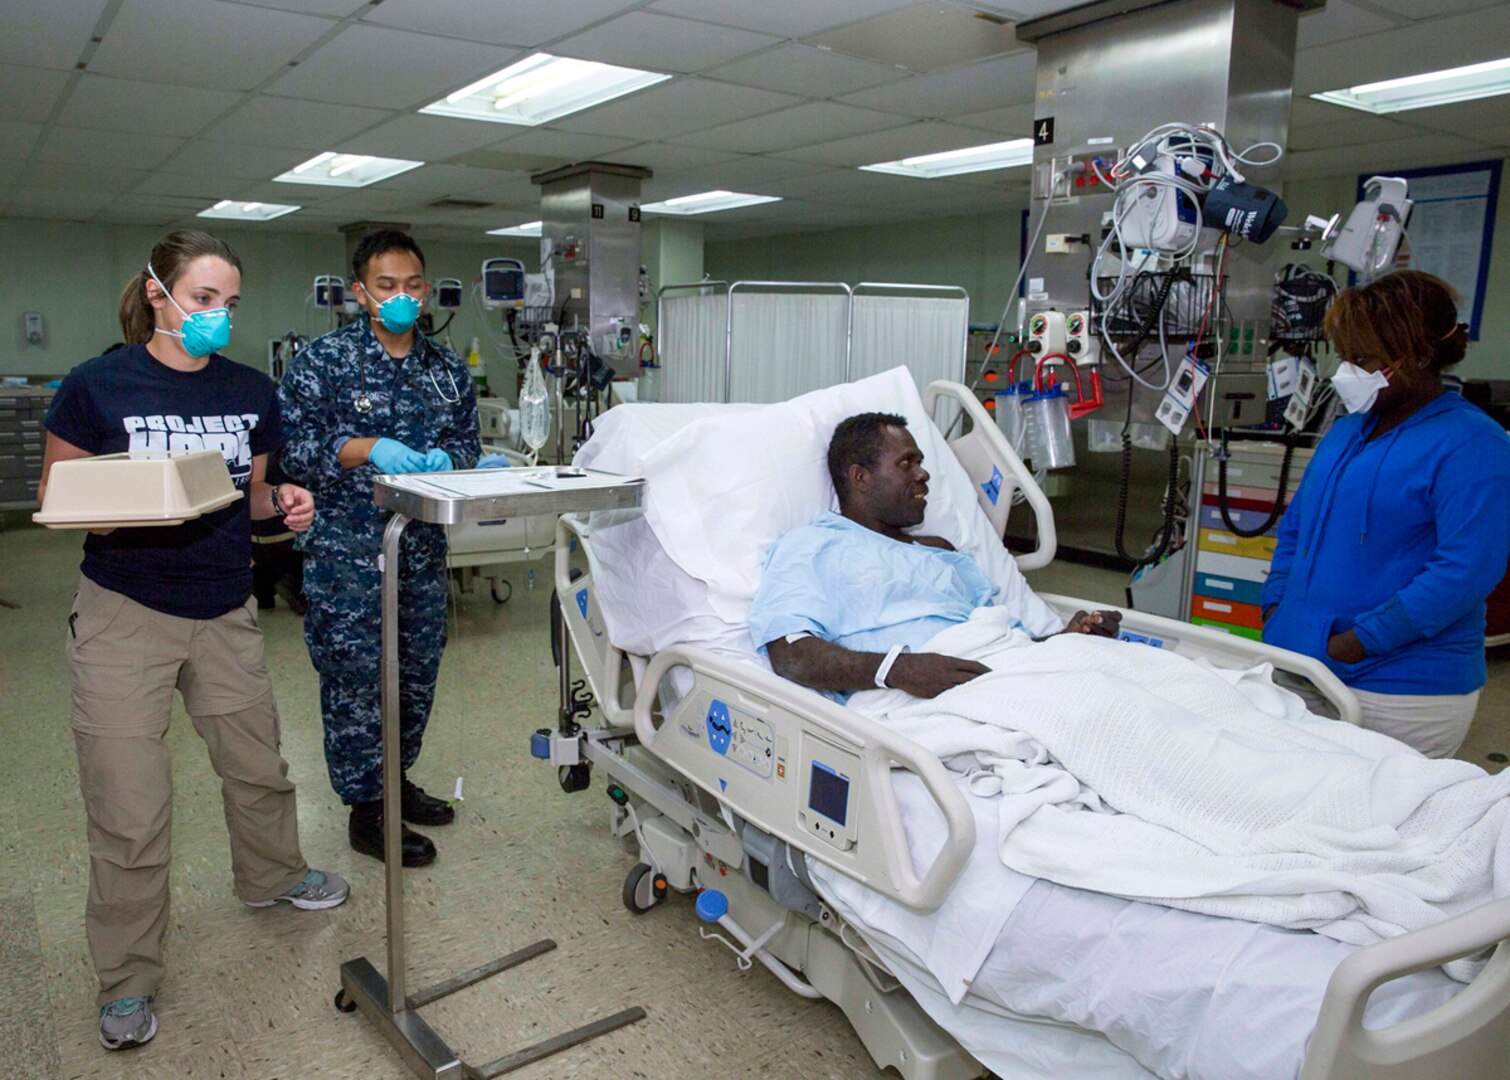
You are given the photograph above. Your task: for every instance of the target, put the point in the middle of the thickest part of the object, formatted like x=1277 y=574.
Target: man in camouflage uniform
x=376 y=397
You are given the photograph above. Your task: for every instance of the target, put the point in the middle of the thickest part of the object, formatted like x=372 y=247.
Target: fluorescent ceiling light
x=1002 y=155
x=1421 y=91
x=346 y=170
x=541 y=88
x=707 y=202
x=246 y=211
x=529 y=228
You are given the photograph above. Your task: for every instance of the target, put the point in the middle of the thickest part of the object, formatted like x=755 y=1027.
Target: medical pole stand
x=384 y=1001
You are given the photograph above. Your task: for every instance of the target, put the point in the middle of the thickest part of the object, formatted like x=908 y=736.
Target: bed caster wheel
x=508 y=591
x=643 y=889
x=344 y=1002
x=574 y=778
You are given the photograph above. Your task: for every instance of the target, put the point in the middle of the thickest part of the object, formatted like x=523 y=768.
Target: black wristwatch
x=277 y=506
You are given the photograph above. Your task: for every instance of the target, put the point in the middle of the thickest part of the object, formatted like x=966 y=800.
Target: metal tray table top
x=451 y=498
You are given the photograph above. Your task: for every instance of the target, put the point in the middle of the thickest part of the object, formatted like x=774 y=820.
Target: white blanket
x=1134 y=772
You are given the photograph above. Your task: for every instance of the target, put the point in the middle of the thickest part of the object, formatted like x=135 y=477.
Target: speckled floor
x=248 y=994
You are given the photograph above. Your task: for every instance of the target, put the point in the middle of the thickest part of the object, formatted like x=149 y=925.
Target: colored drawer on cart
x=1226 y=611
x=1226 y=543
x=1228 y=589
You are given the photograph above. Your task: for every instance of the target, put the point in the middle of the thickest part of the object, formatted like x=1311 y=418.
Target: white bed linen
x=1150 y=989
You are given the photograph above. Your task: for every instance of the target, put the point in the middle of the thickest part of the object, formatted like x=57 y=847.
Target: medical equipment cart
x=450 y=499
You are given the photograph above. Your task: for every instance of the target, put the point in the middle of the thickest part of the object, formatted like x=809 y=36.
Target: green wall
x=73 y=273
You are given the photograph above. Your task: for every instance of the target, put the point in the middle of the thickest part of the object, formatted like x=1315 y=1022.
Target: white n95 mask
x=1356 y=388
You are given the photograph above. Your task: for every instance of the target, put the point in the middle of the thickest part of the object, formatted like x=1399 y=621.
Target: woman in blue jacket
x=1401 y=527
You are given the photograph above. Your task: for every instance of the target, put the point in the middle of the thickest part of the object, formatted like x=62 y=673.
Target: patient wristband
x=885 y=669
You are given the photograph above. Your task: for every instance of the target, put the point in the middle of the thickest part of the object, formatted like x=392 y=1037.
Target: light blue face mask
x=398 y=313
x=201 y=333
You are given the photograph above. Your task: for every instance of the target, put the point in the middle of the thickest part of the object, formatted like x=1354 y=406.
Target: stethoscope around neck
x=363 y=402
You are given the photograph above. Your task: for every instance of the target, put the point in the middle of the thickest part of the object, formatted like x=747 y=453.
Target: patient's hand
x=927 y=675
x=1098 y=623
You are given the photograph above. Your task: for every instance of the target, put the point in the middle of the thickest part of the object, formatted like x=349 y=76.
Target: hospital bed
x=844 y=859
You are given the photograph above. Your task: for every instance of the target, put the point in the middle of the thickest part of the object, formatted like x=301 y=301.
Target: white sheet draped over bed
x=1128 y=771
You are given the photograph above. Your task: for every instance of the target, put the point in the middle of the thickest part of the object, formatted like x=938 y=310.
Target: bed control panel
x=827 y=788
x=742 y=738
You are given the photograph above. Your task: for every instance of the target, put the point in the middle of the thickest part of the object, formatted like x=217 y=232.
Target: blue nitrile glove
x=494 y=461
x=391 y=456
x=438 y=460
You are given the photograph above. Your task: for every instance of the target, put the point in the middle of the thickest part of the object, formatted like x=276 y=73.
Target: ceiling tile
x=62 y=205
x=642 y=39
x=114 y=214
x=235 y=159
x=1467 y=38
x=676 y=108
x=1381 y=157
x=30 y=93
x=192 y=187
x=331 y=9
x=1014 y=121
x=17 y=139
x=927 y=137
x=504 y=160
x=755 y=175
x=53 y=174
x=1339 y=21
x=424 y=138
x=1470 y=118
x=445 y=180
x=785 y=18
x=290 y=122
x=125 y=105
x=801 y=125
x=204 y=42
x=1431 y=9
x=1007 y=80
x=567 y=145
x=498 y=24
x=415 y=69
x=824 y=182
x=807 y=70
x=1348 y=129
x=516 y=190
x=106 y=149
x=55 y=33
x=374 y=201
x=665 y=156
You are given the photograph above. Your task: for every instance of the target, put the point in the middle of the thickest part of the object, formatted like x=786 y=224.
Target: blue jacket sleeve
x=459 y=436
x=1287 y=539
x=310 y=454
x=1471 y=505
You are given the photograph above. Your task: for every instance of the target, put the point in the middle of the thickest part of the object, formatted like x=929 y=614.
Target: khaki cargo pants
x=125 y=661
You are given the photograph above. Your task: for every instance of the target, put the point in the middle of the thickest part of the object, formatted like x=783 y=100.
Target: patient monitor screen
x=828 y=793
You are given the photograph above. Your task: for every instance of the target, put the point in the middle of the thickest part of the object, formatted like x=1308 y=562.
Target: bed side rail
x=1464 y=1038
x=601 y=660
x=1222 y=649
x=804 y=769
x=996 y=470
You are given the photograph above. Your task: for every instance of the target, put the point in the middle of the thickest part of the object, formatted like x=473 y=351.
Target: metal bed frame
x=672 y=801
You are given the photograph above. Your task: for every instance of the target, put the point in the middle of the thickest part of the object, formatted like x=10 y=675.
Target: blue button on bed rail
x=712 y=905
x=540 y=744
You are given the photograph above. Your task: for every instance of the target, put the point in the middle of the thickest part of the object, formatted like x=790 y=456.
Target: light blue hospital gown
x=847 y=584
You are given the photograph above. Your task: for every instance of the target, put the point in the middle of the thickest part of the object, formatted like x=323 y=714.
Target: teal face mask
x=203 y=332
x=398 y=313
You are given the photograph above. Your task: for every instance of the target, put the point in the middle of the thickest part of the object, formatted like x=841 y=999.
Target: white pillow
x=724 y=488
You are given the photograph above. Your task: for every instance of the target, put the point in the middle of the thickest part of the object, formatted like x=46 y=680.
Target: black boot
x=366 y=833
x=425 y=809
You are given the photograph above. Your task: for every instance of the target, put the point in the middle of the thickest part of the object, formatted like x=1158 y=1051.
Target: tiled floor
x=248 y=995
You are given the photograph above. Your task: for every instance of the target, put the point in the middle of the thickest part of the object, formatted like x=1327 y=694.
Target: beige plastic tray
x=115 y=491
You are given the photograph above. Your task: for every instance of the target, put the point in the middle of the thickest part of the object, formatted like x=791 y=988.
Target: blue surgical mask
x=201 y=333
x=398 y=313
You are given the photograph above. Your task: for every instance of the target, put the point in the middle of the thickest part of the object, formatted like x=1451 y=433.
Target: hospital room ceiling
x=147 y=111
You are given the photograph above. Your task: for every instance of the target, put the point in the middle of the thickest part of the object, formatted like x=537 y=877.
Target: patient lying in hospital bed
x=1119 y=769
x=1035 y=978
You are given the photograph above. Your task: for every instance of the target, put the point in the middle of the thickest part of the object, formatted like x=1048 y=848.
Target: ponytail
x=136 y=312
x=170 y=257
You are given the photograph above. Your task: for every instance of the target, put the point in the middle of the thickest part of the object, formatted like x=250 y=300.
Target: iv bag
x=534 y=405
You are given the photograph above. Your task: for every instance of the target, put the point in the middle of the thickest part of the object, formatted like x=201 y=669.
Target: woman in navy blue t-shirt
x=165 y=608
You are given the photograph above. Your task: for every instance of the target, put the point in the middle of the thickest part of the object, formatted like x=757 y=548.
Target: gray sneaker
x=127 y=1022
x=316 y=891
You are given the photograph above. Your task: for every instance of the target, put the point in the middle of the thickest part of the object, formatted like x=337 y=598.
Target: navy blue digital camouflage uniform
x=341 y=576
